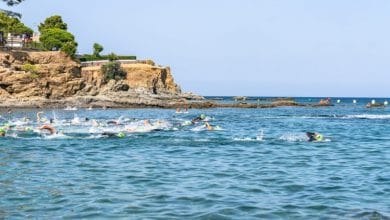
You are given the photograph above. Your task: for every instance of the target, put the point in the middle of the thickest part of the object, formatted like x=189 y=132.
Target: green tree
x=13 y=25
x=12 y=2
x=54 y=21
x=97 y=49
x=59 y=39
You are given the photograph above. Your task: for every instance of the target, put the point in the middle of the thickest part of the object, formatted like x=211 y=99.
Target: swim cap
x=2 y=132
x=202 y=116
x=121 y=135
x=319 y=137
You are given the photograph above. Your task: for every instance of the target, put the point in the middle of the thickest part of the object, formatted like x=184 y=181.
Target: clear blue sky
x=241 y=47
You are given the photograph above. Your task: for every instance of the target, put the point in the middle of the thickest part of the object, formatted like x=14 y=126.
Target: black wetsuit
x=197 y=119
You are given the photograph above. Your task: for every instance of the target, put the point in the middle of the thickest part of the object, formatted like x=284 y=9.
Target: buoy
x=386 y=103
x=338 y=100
x=373 y=101
x=354 y=101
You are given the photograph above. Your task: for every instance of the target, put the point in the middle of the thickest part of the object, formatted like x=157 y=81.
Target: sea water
x=258 y=165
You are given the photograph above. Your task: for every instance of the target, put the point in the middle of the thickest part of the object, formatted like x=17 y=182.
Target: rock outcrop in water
x=51 y=79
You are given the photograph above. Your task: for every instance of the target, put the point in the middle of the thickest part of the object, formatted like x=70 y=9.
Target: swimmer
x=111 y=134
x=199 y=119
x=49 y=128
x=209 y=127
x=39 y=119
x=147 y=123
x=95 y=123
x=314 y=136
x=115 y=122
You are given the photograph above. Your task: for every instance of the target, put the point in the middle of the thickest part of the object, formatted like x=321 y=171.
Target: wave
x=367 y=116
x=259 y=137
x=293 y=137
x=355 y=116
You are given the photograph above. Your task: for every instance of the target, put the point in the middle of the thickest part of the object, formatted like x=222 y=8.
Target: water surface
x=258 y=165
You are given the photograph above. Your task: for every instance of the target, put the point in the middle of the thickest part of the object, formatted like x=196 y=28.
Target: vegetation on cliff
x=96 y=56
x=13 y=25
x=54 y=36
x=97 y=49
x=113 y=69
x=58 y=39
x=54 y=21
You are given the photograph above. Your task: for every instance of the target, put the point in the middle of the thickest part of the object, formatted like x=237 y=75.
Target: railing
x=28 y=46
x=102 y=62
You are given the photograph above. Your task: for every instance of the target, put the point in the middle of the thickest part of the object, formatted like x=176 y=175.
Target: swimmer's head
x=202 y=116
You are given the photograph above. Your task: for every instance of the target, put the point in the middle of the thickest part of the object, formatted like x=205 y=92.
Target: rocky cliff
x=45 y=79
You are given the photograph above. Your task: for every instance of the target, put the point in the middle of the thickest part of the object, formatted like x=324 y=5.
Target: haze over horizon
x=248 y=47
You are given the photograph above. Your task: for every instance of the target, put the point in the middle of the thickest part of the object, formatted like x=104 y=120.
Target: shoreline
x=166 y=103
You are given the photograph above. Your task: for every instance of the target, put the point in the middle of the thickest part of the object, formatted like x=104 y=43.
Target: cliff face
x=140 y=77
x=39 y=78
x=37 y=74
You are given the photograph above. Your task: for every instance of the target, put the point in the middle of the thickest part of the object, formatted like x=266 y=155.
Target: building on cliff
x=17 y=40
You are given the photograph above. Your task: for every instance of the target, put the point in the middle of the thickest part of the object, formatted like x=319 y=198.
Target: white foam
x=368 y=116
x=246 y=139
x=292 y=137
x=56 y=136
x=68 y=108
x=199 y=128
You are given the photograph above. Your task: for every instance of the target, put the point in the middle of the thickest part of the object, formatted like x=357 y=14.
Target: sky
x=241 y=47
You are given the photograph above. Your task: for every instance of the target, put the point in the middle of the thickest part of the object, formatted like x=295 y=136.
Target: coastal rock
x=53 y=79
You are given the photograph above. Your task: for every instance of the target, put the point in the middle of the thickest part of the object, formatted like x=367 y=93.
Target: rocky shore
x=53 y=80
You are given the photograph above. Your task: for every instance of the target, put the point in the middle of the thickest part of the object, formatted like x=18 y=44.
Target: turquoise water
x=257 y=165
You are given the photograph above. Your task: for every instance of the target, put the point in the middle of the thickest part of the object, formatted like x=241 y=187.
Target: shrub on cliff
x=32 y=69
x=29 y=68
x=113 y=70
x=112 y=57
x=59 y=39
x=69 y=48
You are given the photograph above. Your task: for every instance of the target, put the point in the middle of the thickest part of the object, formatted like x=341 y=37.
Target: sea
x=151 y=163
